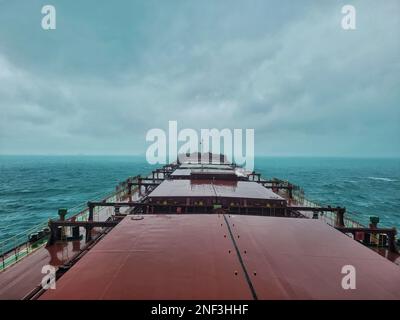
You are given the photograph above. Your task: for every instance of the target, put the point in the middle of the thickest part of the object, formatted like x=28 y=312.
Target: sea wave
x=382 y=179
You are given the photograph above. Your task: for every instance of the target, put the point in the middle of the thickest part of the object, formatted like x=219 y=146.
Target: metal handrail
x=17 y=240
x=348 y=221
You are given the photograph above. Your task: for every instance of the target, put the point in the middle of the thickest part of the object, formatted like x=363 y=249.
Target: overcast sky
x=113 y=70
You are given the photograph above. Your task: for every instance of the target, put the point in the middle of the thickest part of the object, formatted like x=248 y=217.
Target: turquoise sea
x=32 y=188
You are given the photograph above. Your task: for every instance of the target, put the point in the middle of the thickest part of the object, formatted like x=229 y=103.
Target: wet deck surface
x=303 y=259
x=163 y=257
x=194 y=257
x=18 y=280
x=21 y=278
x=209 y=188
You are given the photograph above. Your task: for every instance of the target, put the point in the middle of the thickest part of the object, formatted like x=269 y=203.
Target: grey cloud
x=294 y=75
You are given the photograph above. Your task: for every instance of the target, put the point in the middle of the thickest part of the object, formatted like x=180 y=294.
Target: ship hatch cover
x=226 y=257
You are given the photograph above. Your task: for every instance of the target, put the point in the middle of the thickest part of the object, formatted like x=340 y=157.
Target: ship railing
x=330 y=217
x=22 y=244
x=298 y=197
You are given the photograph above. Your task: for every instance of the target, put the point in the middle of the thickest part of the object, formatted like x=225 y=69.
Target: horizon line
x=256 y=156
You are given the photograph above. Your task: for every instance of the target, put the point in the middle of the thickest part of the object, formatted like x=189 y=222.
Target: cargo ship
x=202 y=229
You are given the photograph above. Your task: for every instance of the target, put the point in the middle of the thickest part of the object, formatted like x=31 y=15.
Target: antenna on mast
x=200 y=151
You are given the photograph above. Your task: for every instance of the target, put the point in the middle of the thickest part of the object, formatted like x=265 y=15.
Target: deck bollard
x=62 y=212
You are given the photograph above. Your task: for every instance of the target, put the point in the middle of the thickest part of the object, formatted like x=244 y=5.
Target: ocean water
x=32 y=188
x=365 y=187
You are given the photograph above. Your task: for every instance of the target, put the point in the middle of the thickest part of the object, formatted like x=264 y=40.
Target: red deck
x=208 y=188
x=206 y=166
x=205 y=173
x=194 y=257
x=20 y=279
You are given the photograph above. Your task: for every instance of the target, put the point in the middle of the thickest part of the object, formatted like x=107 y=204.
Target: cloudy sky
x=113 y=70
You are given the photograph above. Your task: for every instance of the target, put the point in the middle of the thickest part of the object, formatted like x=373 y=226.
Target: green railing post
x=2 y=254
x=15 y=248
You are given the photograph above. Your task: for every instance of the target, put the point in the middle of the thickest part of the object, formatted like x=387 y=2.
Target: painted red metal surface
x=181 y=173
x=183 y=188
x=206 y=166
x=205 y=173
x=289 y=258
x=159 y=257
x=207 y=188
x=194 y=257
x=247 y=190
x=20 y=279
